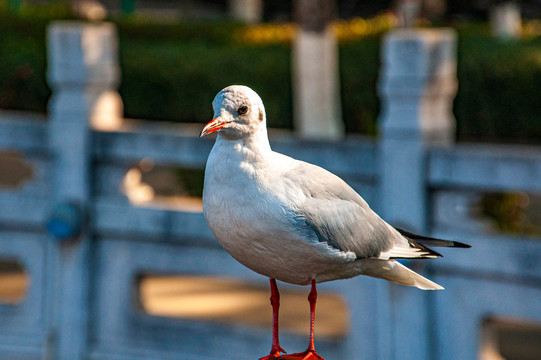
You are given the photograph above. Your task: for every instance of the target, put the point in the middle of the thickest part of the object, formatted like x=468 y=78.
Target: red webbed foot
x=307 y=355
x=274 y=354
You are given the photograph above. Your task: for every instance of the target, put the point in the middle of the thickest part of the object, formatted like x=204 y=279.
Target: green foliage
x=22 y=65
x=499 y=97
x=209 y=31
x=515 y=213
x=178 y=81
x=359 y=68
x=23 y=84
x=171 y=71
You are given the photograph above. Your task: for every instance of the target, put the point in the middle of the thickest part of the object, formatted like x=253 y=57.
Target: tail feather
x=394 y=271
x=430 y=241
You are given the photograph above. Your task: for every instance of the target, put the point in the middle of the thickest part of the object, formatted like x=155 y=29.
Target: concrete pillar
x=417 y=87
x=83 y=73
x=370 y=328
x=316 y=85
x=408 y=12
x=90 y=9
x=247 y=11
x=505 y=20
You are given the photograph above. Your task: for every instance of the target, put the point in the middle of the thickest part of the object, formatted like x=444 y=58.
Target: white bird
x=293 y=221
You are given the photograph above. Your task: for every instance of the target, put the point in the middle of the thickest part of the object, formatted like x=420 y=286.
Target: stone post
x=505 y=20
x=417 y=86
x=83 y=73
x=316 y=87
x=408 y=12
x=247 y=11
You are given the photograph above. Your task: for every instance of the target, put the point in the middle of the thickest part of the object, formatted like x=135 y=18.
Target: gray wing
x=336 y=214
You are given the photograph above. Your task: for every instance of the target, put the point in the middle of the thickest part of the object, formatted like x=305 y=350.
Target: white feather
x=287 y=219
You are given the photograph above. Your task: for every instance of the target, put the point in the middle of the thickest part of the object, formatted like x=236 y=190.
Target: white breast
x=249 y=220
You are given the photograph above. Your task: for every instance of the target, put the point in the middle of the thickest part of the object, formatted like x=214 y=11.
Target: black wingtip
x=430 y=241
x=461 y=245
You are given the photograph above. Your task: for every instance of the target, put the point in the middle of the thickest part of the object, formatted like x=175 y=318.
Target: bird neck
x=257 y=142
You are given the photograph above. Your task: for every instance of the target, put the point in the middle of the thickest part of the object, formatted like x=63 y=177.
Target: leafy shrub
x=22 y=64
x=499 y=97
x=359 y=71
x=178 y=81
x=172 y=72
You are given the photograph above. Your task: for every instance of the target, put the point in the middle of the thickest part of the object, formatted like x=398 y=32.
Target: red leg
x=275 y=302
x=310 y=353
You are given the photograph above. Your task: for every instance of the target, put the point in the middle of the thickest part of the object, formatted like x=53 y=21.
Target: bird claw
x=274 y=354
x=307 y=355
x=271 y=357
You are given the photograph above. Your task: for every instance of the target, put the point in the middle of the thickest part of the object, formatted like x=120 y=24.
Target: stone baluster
x=83 y=73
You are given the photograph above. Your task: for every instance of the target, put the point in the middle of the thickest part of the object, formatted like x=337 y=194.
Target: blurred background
x=430 y=109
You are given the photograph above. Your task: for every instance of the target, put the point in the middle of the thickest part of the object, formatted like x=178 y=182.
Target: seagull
x=293 y=221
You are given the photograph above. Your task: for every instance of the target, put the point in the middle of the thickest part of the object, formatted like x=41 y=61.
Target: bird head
x=238 y=113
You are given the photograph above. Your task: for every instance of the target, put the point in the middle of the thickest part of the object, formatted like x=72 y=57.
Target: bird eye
x=242 y=110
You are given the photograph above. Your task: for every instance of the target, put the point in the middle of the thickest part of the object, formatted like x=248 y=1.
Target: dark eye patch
x=242 y=110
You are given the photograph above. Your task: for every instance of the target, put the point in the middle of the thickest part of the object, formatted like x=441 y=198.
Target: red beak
x=213 y=125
